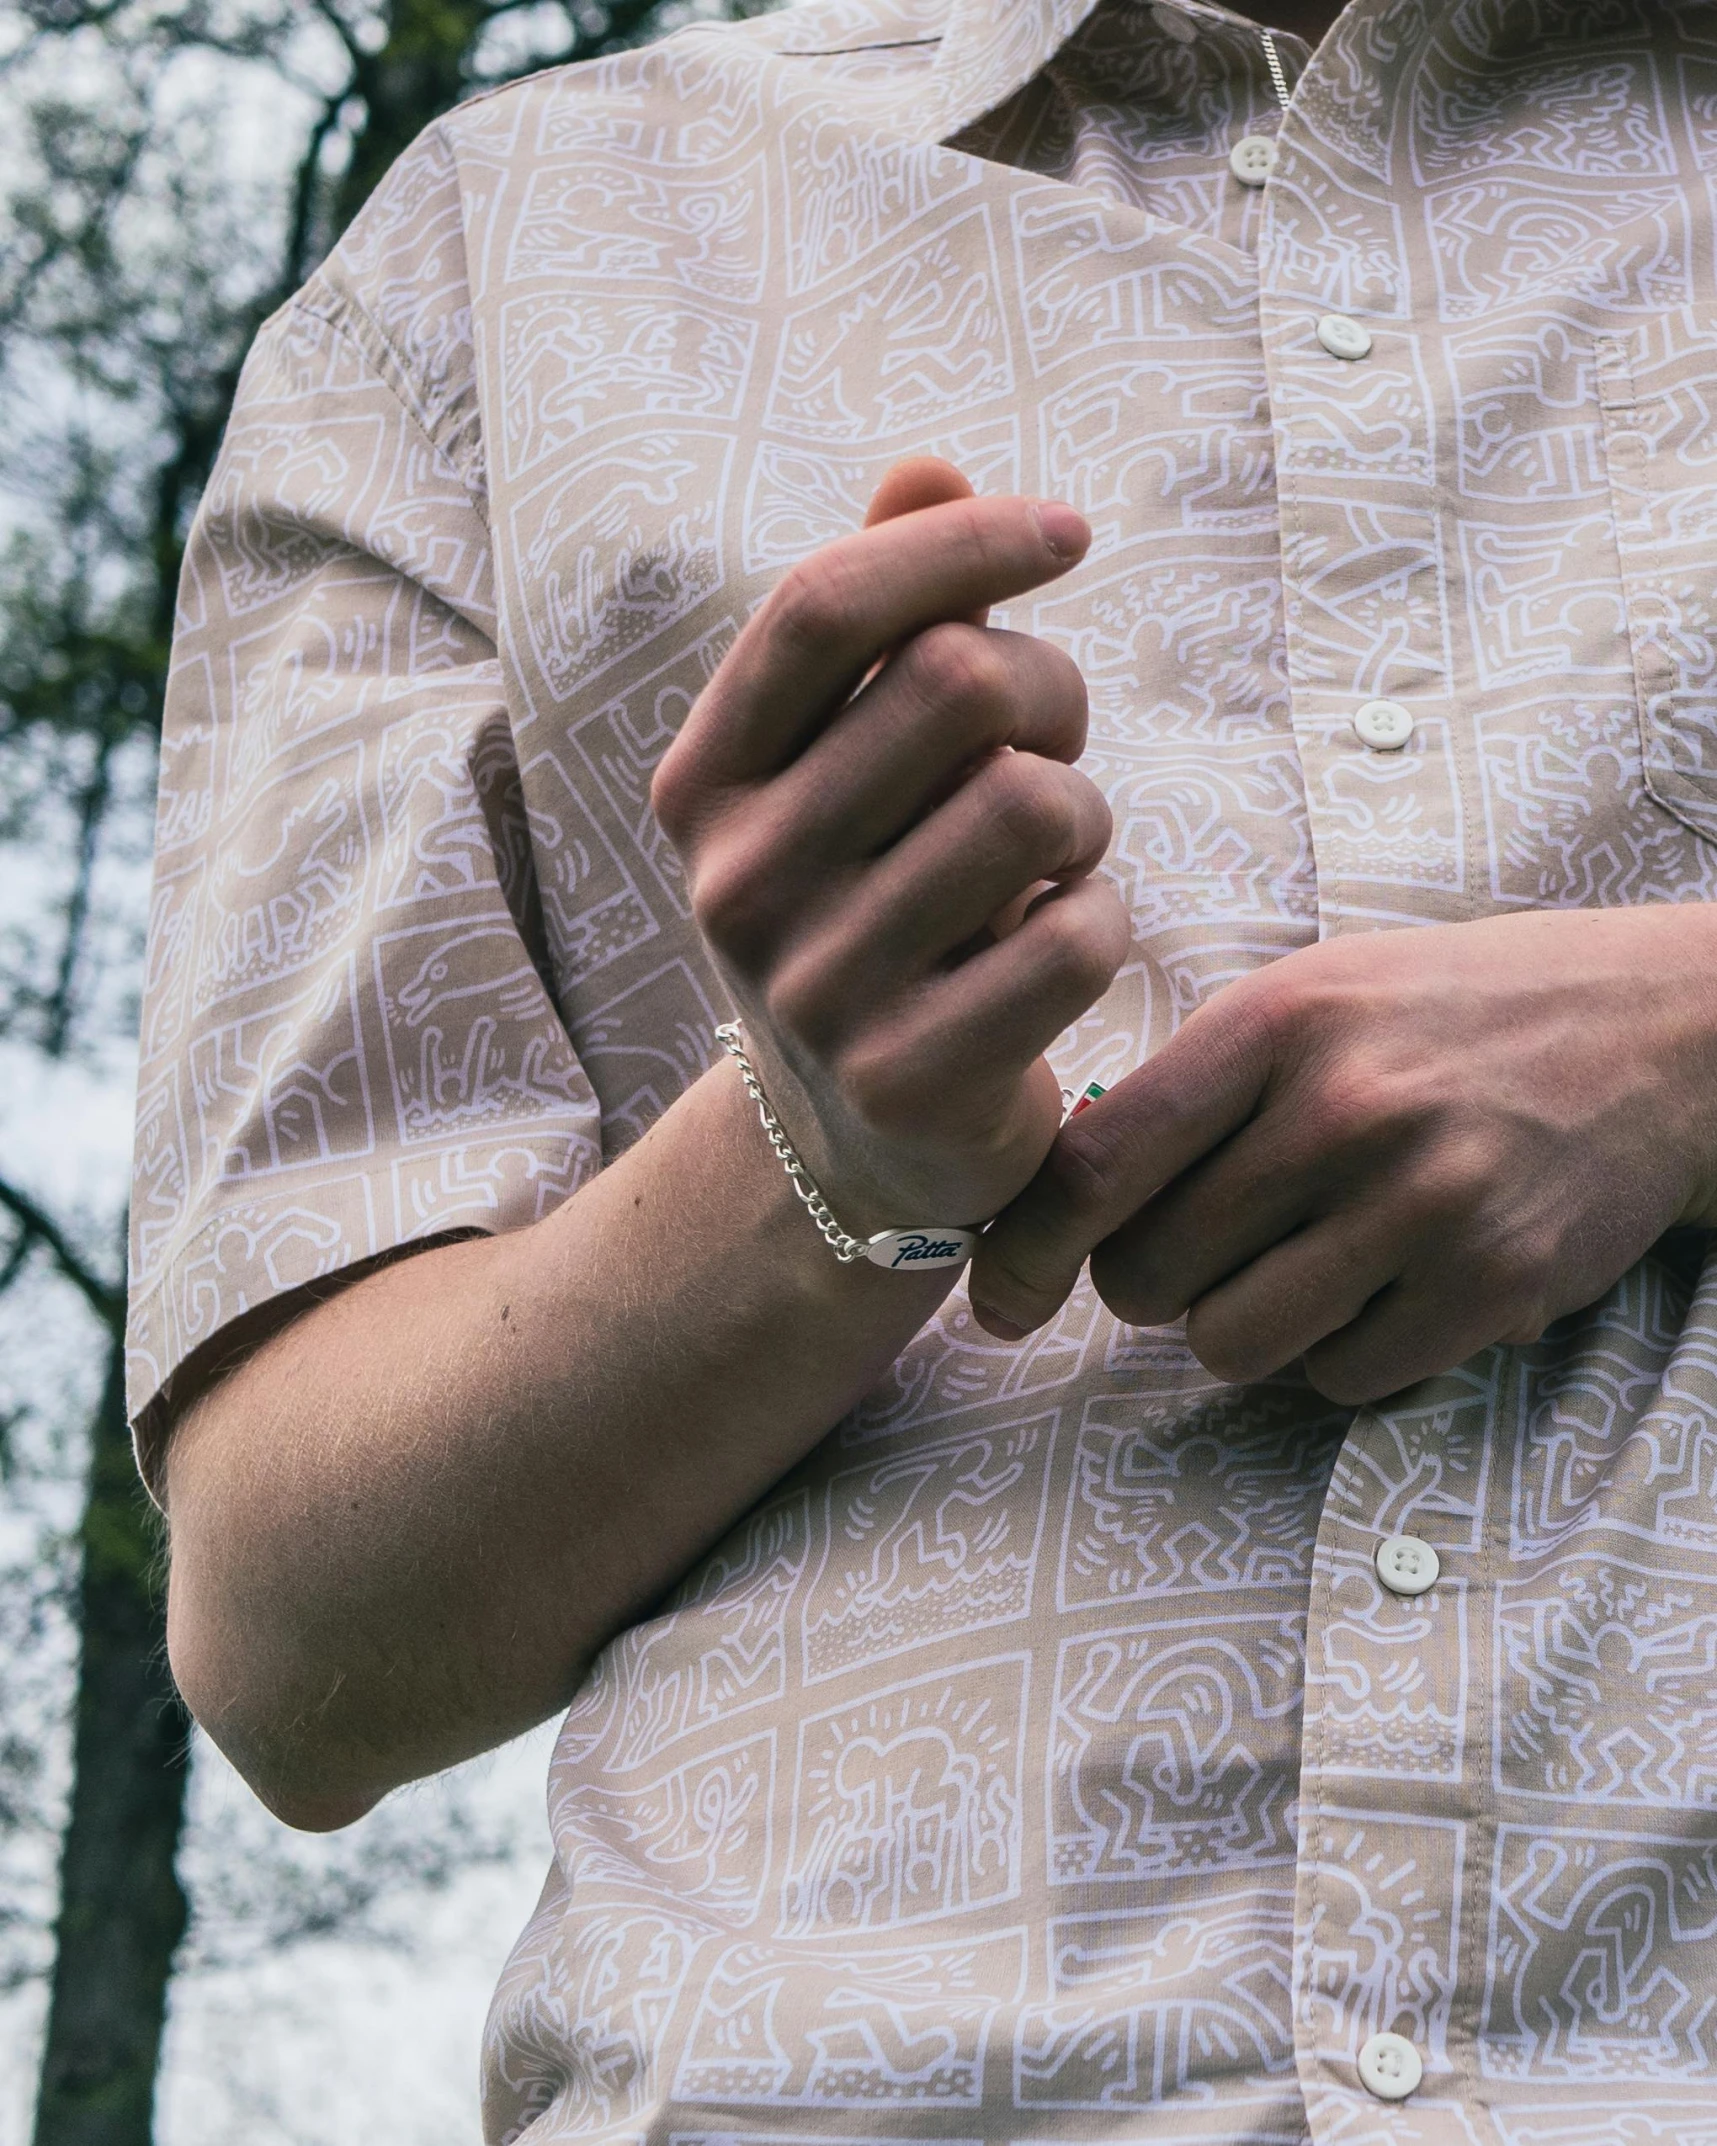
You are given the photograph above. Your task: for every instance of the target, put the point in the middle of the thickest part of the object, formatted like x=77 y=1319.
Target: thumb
x=1109 y=1161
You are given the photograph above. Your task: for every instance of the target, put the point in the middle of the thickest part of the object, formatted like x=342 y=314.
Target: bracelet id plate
x=896 y=1248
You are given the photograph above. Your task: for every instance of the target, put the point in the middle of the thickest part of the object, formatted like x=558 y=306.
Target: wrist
x=895 y=1247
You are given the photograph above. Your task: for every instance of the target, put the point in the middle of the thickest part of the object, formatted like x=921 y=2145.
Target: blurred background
x=177 y=1969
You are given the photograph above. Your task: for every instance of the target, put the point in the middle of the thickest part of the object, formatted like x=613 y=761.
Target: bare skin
x=402 y=1526
x=1386 y=1152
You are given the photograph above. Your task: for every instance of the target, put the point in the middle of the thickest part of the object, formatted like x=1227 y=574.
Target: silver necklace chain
x=846 y=1247
x=1273 y=60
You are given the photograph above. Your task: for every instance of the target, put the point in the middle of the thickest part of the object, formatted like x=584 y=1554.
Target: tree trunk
x=416 y=74
x=122 y=1912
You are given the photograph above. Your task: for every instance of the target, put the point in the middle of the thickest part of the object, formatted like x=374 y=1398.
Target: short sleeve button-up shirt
x=1068 y=1749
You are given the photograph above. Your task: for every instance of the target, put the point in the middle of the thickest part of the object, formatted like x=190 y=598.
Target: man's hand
x=867 y=798
x=1388 y=1151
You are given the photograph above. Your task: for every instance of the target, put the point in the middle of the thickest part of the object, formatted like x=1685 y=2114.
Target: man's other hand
x=892 y=857
x=1388 y=1151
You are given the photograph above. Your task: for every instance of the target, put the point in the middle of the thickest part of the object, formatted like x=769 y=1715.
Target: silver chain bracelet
x=930 y=1247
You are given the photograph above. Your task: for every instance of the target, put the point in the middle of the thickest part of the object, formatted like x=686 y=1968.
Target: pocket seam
x=1627 y=455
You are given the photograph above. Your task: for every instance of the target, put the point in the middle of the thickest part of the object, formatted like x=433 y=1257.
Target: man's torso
x=1046 y=1757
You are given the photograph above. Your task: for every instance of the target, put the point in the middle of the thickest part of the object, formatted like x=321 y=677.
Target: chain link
x=1273 y=60
x=846 y=1247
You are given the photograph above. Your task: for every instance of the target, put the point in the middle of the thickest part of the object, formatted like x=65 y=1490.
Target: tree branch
x=296 y=263
x=106 y=1301
x=91 y=808
x=342 y=29
x=22 y=1247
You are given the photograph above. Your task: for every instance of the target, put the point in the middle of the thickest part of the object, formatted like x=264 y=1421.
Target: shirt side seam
x=345 y=314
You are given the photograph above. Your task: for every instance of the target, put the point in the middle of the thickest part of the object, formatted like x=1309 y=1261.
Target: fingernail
x=1065 y=532
x=993 y=1323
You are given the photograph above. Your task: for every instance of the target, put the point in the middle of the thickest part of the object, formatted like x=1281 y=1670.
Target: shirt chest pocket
x=1658 y=392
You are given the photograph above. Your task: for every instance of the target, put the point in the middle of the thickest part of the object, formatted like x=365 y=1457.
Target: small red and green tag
x=1085 y=1098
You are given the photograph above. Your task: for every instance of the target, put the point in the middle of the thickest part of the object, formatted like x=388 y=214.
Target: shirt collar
x=992 y=48
x=986 y=49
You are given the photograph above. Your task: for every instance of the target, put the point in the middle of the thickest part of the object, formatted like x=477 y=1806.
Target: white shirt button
x=1384 y=725
x=1252 y=159
x=1390 y=2067
x=1173 y=23
x=1344 y=338
x=1407 y=1566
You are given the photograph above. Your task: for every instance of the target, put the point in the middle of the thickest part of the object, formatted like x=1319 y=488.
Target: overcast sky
x=329 y=2040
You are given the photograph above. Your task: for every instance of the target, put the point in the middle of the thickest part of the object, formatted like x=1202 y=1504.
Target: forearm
x=403 y=1526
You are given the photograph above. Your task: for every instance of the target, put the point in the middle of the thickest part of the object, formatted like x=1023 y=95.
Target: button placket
x=1369 y=1852
x=1331 y=302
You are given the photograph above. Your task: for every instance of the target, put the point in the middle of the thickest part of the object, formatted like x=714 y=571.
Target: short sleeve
x=347 y=1045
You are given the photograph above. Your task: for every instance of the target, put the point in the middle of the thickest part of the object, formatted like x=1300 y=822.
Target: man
x=997 y=1709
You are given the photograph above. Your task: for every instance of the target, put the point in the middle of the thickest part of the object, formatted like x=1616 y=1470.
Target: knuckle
x=1097 y=815
x=810 y=995
x=731 y=899
x=795 y=1003
x=1356 y=1102
x=812 y=606
x=672 y=790
x=1085 y=943
x=961 y=667
x=1452 y=1186
x=1275 y=996
x=1078 y=1172
x=1032 y=806
x=1256 y=1020
x=1528 y=1323
x=1506 y=1273
x=878 y=1090
x=1066 y=681
x=980 y=540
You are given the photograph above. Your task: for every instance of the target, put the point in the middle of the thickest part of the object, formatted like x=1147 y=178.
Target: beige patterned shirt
x=1048 y=1757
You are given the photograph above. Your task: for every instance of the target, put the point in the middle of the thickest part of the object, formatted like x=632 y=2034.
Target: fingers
x=833 y=615
x=870 y=781
x=1115 y=1156
x=1367 y=1314
x=1261 y=1184
x=1292 y=1297
x=966 y=1037
x=1372 y=1299
x=954 y=696
x=1414 y=1328
x=1017 y=822
x=919 y=481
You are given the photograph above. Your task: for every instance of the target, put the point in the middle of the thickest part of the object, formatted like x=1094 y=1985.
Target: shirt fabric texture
x=1045 y=1758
